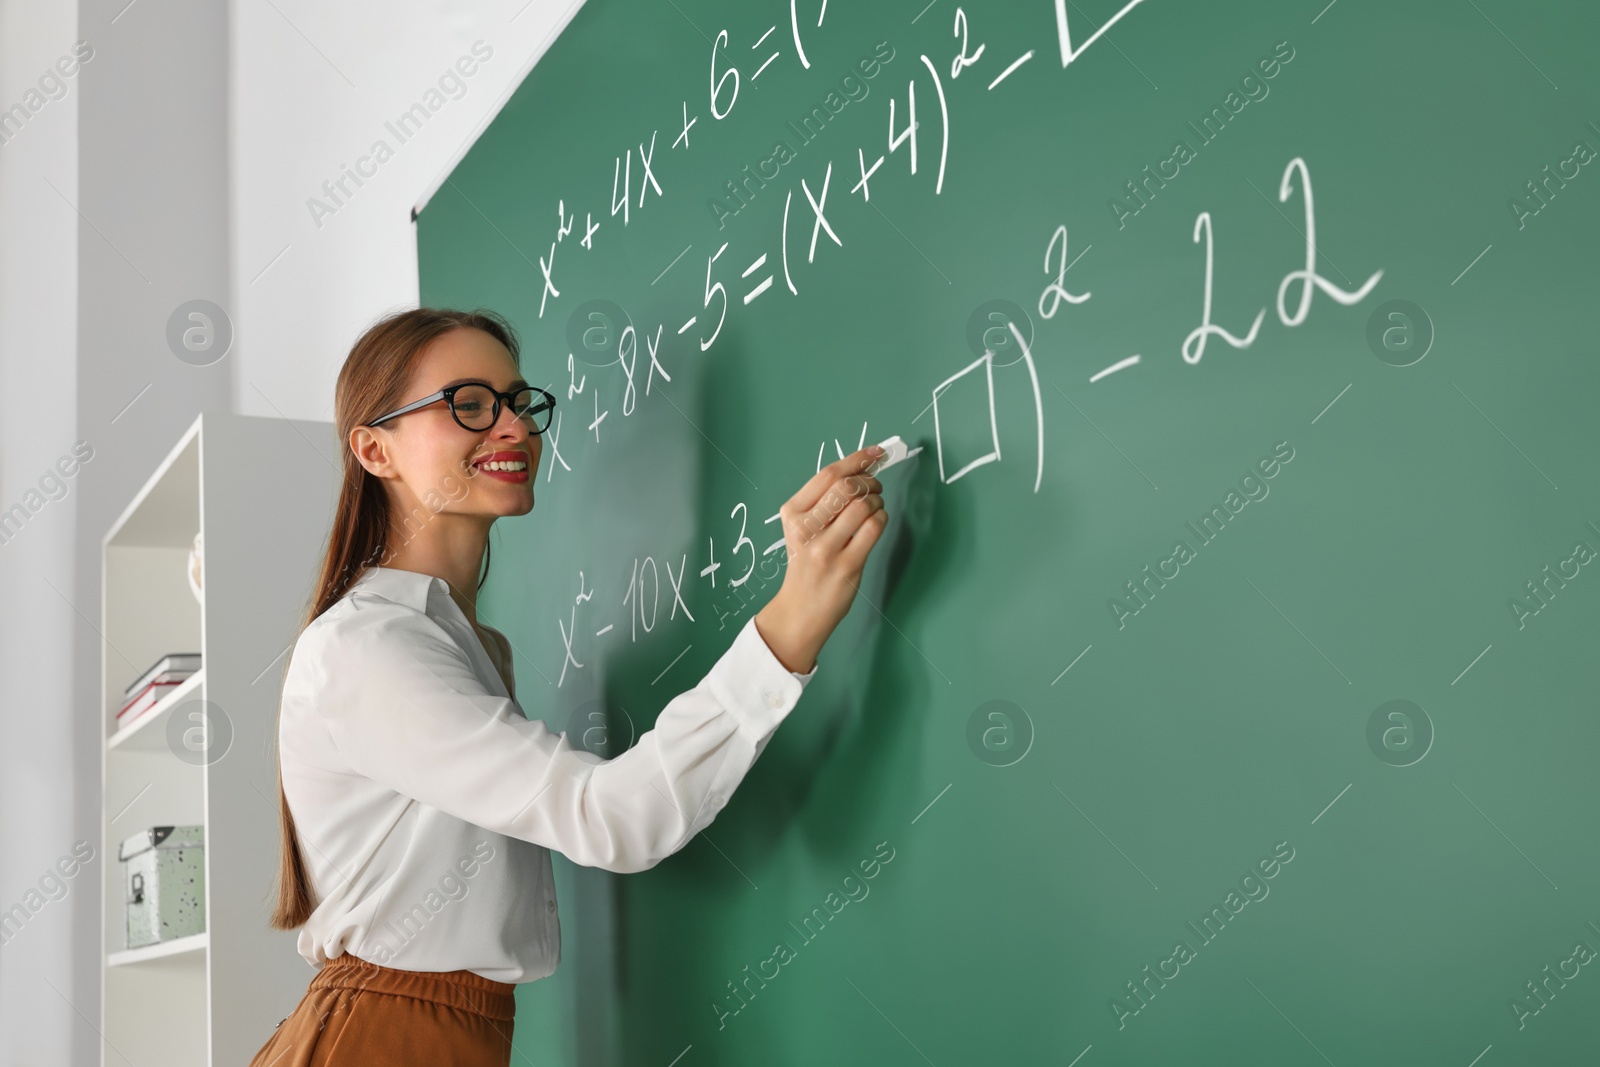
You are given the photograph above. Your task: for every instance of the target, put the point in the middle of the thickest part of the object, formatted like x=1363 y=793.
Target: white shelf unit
x=262 y=491
x=161 y=949
x=149 y=730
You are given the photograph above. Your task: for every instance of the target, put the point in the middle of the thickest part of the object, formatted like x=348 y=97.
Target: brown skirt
x=356 y=1012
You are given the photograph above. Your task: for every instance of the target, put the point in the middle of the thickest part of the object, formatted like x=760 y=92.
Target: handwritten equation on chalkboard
x=753 y=274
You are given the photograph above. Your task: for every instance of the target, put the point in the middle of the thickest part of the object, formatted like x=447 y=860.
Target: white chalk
x=894 y=450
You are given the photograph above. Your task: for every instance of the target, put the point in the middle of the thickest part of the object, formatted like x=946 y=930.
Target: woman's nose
x=508 y=421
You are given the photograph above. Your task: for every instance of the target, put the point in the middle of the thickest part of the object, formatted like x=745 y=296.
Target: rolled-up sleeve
x=404 y=707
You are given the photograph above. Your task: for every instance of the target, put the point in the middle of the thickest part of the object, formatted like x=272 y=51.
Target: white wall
x=43 y=765
x=310 y=100
x=176 y=165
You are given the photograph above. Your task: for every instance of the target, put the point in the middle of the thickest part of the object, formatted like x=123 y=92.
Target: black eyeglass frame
x=448 y=395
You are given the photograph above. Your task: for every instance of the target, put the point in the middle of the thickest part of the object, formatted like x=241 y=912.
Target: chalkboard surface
x=1223 y=690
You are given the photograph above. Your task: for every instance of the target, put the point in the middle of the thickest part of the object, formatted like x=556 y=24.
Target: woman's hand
x=829 y=526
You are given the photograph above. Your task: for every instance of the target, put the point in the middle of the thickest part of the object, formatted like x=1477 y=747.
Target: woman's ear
x=372 y=451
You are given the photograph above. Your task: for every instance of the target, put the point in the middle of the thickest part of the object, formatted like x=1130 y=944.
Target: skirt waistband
x=457 y=989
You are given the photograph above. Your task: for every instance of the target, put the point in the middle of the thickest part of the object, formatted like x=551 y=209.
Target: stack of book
x=165 y=675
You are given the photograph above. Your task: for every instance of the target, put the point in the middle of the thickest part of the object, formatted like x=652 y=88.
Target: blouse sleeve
x=405 y=708
x=504 y=661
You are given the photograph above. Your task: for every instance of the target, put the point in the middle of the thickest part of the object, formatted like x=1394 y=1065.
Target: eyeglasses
x=475 y=406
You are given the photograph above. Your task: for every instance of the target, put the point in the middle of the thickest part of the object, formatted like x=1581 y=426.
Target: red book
x=145 y=699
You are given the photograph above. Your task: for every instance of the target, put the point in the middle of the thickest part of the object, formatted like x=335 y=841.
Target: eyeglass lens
x=474 y=407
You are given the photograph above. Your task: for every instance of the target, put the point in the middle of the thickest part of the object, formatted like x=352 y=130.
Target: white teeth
x=504 y=465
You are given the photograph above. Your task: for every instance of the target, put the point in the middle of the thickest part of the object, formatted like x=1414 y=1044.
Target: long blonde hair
x=371 y=382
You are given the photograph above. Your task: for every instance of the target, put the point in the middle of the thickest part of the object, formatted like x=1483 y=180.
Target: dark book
x=188 y=662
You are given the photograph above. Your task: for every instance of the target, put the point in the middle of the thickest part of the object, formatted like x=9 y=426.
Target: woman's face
x=430 y=462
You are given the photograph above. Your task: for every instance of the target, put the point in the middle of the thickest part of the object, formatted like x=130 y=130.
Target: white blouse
x=426 y=800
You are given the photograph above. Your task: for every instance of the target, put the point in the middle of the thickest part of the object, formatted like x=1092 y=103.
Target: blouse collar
x=411 y=588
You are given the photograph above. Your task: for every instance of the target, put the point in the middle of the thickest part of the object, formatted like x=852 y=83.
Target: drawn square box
x=963 y=419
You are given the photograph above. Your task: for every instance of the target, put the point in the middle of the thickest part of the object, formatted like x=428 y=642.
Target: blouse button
x=550 y=905
x=774 y=700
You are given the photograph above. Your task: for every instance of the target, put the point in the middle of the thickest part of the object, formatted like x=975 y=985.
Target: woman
x=417 y=801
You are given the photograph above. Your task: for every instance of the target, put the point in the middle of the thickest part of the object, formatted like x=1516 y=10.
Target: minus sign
x=688 y=324
x=1120 y=364
x=1007 y=72
x=602 y=630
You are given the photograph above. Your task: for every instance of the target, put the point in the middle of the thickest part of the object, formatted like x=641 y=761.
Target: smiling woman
x=400 y=739
x=433 y=445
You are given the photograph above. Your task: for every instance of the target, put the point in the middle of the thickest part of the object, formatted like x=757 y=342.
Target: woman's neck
x=449 y=550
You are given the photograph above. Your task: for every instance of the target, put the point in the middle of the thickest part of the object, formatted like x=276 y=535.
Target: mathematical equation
x=752 y=276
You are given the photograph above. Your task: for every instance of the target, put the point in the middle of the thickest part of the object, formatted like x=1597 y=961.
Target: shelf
x=161 y=950
x=208 y=998
x=166 y=510
x=148 y=733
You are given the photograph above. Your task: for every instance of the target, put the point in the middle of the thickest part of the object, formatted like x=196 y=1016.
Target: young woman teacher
x=418 y=801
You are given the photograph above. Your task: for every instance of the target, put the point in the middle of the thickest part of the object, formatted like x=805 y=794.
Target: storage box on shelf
x=203 y=755
x=164 y=884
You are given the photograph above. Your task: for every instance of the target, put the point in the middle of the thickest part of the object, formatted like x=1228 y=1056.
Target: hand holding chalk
x=829 y=527
x=894 y=450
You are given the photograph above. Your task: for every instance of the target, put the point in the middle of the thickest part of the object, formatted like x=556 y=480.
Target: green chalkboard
x=1206 y=702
